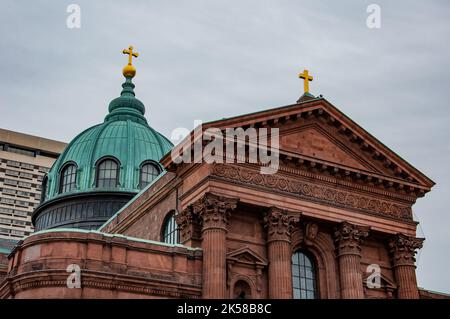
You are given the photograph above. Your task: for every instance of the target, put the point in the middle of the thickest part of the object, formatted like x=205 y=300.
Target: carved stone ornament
x=311 y=231
x=214 y=210
x=187 y=224
x=315 y=192
x=403 y=249
x=348 y=238
x=279 y=224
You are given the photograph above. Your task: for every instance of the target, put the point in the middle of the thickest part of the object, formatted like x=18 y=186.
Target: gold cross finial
x=130 y=53
x=129 y=71
x=306 y=78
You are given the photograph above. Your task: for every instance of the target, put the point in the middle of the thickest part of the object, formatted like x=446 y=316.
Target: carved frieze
x=315 y=192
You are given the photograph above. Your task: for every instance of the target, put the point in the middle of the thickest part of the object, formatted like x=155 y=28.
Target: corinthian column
x=403 y=249
x=279 y=226
x=214 y=212
x=348 y=239
x=188 y=225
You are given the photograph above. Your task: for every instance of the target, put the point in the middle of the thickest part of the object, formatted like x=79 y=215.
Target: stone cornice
x=106 y=239
x=100 y=280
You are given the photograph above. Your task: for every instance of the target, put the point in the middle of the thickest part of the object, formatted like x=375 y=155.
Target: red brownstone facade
x=340 y=196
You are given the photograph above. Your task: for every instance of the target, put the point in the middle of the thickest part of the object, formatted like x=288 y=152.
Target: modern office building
x=24 y=160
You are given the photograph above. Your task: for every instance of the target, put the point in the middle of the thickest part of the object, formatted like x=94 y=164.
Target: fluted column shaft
x=279 y=226
x=403 y=249
x=214 y=263
x=214 y=212
x=348 y=239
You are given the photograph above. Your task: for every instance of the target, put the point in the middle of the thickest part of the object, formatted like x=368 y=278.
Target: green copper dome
x=125 y=138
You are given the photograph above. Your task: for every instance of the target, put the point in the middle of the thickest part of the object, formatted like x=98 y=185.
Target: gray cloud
x=210 y=59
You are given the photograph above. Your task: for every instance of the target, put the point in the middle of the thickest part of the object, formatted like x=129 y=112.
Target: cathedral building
x=122 y=217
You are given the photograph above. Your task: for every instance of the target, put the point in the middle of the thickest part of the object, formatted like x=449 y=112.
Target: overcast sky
x=212 y=59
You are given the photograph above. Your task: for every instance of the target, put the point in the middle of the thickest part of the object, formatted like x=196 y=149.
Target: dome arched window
x=44 y=188
x=68 y=178
x=303 y=276
x=170 y=230
x=149 y=171
x=107 y=173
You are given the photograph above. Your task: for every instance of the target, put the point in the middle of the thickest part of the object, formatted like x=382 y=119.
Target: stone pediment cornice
x=330 y=171
x=247 y=256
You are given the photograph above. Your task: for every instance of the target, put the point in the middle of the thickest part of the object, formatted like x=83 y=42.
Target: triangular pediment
x=315 y=142
x=317 y=130
x=247 y=256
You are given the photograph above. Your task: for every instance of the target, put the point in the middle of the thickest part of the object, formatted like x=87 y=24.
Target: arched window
x=44 y=188
x=149 y=172
x=303 y=276
x=68 y=179
x=108 y=173
x=170 y=230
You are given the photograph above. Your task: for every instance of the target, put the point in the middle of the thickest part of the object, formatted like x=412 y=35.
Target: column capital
x=214 y=210
x=403 y=249
x=187 y=224
x=348 y=238
x=279 y=224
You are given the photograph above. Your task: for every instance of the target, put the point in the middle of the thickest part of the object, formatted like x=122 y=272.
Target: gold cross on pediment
x=306 y=78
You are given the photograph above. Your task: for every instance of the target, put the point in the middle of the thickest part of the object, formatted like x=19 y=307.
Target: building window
x=27 y=166
x=108 y=173
x=13 y=163
x=12 y=173
x=68 y=181
x=20 y=213
x=7 y=211
x=303 y=276
x=170 y=230
x=17 y=232
x=24 y=184
x=7 y=201
x=149 y=172
x=9 y=191
x=44 y=189
x=21 y=151
x=10 y=182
